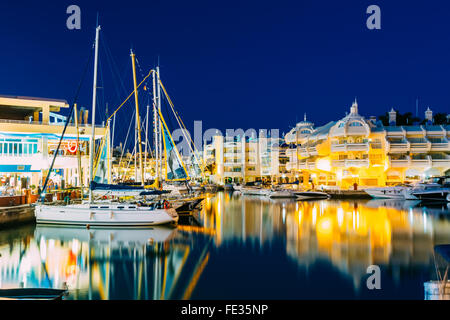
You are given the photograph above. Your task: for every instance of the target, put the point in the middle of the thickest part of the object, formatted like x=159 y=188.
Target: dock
x=14 y=215
x=348 y=194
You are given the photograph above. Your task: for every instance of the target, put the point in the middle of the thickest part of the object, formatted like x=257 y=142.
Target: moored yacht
x=282 y=194
x=397 y=192
x=255 y=191
x=311 y=195
x=441 y=193
x=105 y=214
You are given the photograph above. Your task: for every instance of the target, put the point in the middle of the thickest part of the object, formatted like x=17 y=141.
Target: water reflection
x=198 y=258
x=349 y=235
x=148 y=263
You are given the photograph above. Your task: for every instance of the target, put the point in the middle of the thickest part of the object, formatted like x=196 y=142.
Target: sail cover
x=101 y=169
x=175 y=169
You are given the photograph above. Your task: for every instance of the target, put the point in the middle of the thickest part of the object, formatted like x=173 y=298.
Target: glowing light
x=323 y=164
x=325 y=225
x=314 y=216
x=340 y=216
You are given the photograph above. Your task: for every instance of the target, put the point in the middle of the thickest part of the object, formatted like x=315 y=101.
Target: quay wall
x=21 y=214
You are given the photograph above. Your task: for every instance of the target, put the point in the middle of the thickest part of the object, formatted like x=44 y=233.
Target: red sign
x=72 y=146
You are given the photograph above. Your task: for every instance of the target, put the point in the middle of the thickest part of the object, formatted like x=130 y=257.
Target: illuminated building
x=238 y=160
x=364 y=151
x=30 y=132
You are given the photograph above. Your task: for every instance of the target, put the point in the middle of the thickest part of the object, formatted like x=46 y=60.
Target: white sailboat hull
x=104 y=215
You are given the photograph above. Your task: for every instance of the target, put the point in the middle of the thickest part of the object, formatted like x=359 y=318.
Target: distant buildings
x=351 y=152
x=237 y=159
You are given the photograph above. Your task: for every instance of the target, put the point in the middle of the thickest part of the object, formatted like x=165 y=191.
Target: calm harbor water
x=238 y=247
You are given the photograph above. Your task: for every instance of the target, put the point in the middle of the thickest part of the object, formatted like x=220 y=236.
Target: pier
x=14 y=215
x=348 y=194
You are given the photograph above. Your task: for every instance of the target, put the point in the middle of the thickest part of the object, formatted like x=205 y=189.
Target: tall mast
x=138 y=121
x=155 y=125
x=80 y=178
x=146 y=136
x=112 y=142
x=94 y=101
x=158 y=86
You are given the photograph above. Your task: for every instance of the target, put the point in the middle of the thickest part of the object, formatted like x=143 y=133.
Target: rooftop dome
x=351 y=124
x=301 y=130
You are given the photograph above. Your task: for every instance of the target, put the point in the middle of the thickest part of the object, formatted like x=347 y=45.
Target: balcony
x=291 y=166
x=307 y=165
x=397 y=145
x=338 y=163
x=399 y=163
x=312 y=151
x=291 y=152
x=232 y=154
x=439 y=144
x=421 y=163
x=344 y=147
x=303 y=152
x=419 y=144
x=440 y=160
x=347 y=163
x=357 y=163
x=232 y=174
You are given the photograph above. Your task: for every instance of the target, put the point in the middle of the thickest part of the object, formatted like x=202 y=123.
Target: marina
x=214 y=152
x=319 y=248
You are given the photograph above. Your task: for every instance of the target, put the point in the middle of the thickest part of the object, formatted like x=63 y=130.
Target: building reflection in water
x=351 y=235
x=150 y=263
x=167 y=263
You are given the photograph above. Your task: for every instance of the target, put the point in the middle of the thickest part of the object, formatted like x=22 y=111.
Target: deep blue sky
x=238 y=64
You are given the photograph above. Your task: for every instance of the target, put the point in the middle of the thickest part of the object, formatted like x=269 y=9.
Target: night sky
x=235 y=64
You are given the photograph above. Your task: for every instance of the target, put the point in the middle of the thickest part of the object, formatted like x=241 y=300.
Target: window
x=355 y=124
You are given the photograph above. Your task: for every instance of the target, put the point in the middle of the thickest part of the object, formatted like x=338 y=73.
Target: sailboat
x=104 y=213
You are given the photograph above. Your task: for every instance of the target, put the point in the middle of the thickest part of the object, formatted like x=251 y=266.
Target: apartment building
x=240 y=159
x=363 y=152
